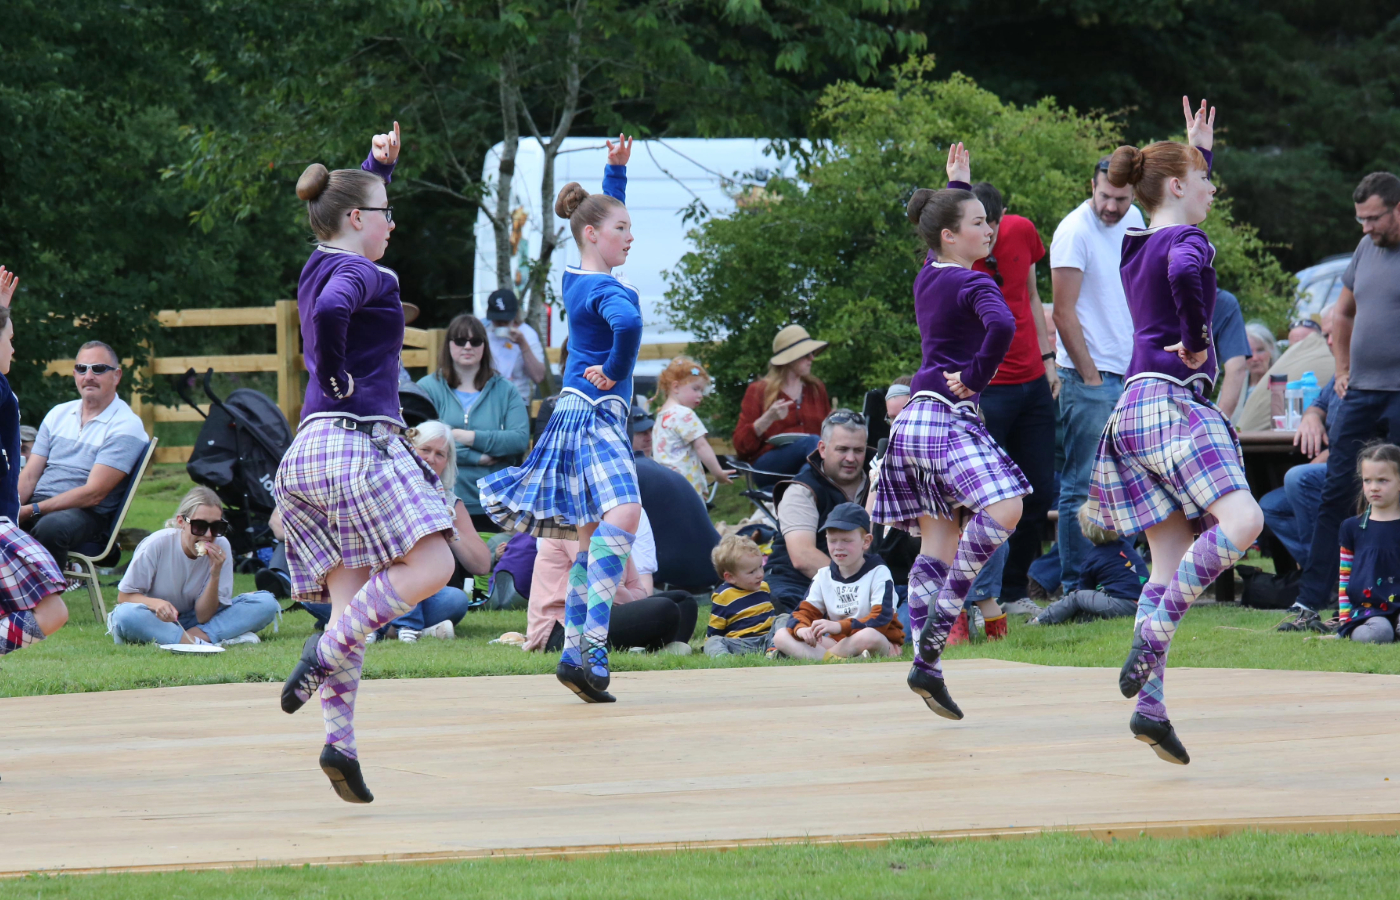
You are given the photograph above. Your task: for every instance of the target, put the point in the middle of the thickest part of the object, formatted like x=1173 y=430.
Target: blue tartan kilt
x=581 y=467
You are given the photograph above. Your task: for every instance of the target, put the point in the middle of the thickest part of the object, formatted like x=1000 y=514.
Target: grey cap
x=897 y=390
x=847 y=517
x=639 y=420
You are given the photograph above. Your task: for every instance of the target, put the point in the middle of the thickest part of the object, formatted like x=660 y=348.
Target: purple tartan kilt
x=28 y=573
x=351 y=499
x=940 y=458
x=1165 y=448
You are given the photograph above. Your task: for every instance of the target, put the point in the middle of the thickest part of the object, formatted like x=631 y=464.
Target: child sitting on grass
x=678 y=439
x=850 y=607
x=741 y=612
x=1110 y=579
x=1370 y=558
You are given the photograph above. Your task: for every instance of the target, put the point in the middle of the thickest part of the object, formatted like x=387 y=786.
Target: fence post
x=289 y=396
x=144 y=409
x=436 y=338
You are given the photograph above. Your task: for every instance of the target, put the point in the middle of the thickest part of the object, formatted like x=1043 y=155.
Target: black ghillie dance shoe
x=1161 y=737
x=934 y=692
x=345 y=776
x=575 y=679
x=306 y=677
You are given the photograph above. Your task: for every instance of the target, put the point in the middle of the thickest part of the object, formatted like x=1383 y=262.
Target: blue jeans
x=784 y=459
x=1365 y=415
x=134 y=623
x=1084 y=412
x=1021 y=419
x=1289 y=511
x=447 y=605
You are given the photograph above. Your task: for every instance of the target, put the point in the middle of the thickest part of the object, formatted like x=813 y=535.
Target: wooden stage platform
x=461 y=768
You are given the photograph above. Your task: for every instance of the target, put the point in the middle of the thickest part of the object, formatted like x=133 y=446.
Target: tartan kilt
x=348 y=498
x=28 y=572
x=1165 y=448
x=941 y=457
x=581 y=467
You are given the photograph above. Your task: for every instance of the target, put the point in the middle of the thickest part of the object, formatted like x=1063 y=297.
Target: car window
x=1333 y=294
x=1313 y=295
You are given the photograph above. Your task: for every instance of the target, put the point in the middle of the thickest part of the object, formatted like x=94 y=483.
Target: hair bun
x=312 y=182
x=917 y=203
x=570 y=196
x=1126 y=166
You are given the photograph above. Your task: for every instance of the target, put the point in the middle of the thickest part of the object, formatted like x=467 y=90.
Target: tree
x=833 y=250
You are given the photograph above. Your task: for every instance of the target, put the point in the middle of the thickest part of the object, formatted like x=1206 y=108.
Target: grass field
x=1240 y=867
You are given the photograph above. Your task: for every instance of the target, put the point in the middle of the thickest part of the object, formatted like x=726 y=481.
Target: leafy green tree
x=834 y=251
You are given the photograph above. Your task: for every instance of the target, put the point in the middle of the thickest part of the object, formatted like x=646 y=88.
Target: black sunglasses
x=469 y=341
x=96 y=368
x=846 y=416
x=996 y=275
x=388 y=212
x=201 y=527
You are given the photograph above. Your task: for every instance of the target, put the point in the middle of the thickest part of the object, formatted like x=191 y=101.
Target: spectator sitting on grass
x=741 y=611
x=178 y=587
x=1111 y=577
x=850 y=607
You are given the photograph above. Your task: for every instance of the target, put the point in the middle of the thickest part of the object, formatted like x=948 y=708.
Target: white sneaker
x=1023 y=607
x=372 y=637
x=442 y=631
x=246 y=637
x=677 y=648
x=408 y=635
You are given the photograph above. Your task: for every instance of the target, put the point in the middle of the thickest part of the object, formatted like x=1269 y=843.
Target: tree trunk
x=510 y=144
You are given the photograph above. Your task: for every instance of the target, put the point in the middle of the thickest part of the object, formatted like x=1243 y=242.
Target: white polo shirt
x=507 y=360
x=114 y=437
x=1082 y=241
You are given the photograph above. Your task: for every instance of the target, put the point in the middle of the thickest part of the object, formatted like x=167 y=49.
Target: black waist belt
x=366 y=428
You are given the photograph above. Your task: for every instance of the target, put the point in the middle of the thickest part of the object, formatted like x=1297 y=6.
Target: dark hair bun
x=570 y=196
x=917 y=203
x=312 y=182
x=1125 y=166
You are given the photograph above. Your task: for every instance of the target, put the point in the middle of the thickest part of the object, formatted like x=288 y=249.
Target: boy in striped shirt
x=741 y=611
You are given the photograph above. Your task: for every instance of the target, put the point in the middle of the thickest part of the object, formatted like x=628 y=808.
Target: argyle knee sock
x=576 y=610
x=1148 y=601
x=1211 y=554
x=341 y=651
x=925 y=578
x=18 y=630
x=979 y=541
x=607 y=558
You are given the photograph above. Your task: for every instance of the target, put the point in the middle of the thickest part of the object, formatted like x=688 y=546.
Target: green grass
x=1248 y=866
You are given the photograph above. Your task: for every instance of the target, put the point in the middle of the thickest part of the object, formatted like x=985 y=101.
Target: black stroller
x=244 y=438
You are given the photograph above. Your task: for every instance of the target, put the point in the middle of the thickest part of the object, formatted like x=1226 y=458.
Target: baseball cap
x=848 y=517
x=502 y=306
x=639 y=420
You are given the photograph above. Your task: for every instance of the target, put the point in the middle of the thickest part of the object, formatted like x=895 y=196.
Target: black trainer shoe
x=1304 y=620
x=1137 y=668
x=1161 y=737
x=934 y=692
x=345 y=776
x=575 y=679
x=306 y=677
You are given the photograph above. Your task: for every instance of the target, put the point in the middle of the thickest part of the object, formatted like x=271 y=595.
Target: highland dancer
x=31 y=583
x=365 y=518
x=1169 y=463
x=940 y=455
x=580 y=482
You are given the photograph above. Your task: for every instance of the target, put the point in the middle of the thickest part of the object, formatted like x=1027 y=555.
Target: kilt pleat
x=28 y=572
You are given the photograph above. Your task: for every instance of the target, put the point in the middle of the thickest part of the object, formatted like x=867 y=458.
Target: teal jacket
x=502 y=425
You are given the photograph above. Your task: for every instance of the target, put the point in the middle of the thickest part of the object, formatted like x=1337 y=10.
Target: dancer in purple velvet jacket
x=940 y=455
x=1169 y=463
x=366 y=519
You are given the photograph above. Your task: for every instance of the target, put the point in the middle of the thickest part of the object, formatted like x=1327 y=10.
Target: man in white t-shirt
x=516 y=351
x=1095 y=342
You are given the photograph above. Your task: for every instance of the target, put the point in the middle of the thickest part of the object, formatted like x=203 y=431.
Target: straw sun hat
x=793 y=343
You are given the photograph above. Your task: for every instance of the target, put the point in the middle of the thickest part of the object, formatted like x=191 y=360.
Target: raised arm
x=615 y=172
x=384 y=154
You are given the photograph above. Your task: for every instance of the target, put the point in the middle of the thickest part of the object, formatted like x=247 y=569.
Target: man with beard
x=1366 y=344
x=1096 y=342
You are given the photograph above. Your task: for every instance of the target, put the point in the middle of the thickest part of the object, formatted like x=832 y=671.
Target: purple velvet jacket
x=351 y=324
x=1170 y=286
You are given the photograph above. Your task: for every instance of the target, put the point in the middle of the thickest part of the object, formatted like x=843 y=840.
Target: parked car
x=1319 y=285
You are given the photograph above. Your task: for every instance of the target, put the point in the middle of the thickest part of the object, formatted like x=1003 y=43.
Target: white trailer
x=664 y=178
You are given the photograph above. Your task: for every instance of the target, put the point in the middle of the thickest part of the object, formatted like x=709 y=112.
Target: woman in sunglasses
x=490 y=422
x=365 y=518
x=178 y=587
x=31 y=585
x=940 y=455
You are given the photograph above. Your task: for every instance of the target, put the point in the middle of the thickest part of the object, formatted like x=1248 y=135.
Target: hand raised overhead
x=619 y=153
x=1200 y=127
x=959 y=164
x=9 y=281
x=385 y=147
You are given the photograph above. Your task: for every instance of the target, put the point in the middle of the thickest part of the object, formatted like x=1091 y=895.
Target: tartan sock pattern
x=925 y=578
x=979 y=541
x=1148 y=601
x=575 y=610
x=607 y=558
x=1211 y=554
x=341 y=651
x=18 y=630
